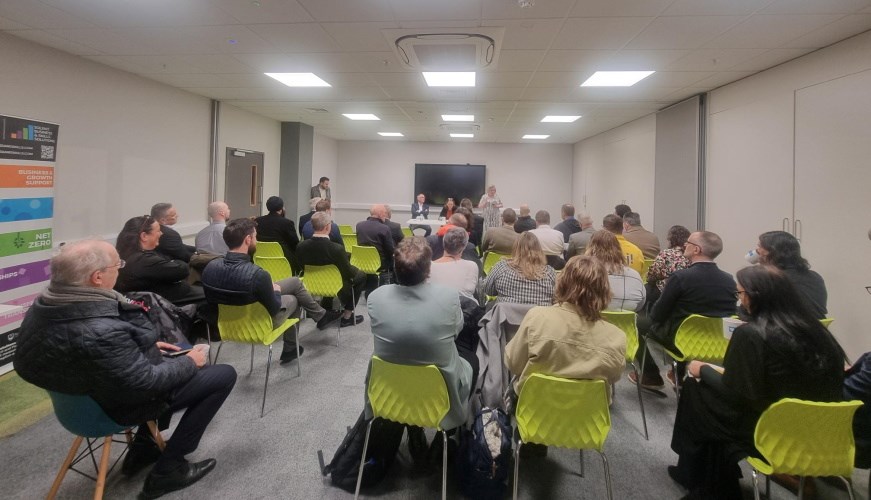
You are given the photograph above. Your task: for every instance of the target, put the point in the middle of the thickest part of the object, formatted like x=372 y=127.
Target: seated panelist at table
x=420 y=210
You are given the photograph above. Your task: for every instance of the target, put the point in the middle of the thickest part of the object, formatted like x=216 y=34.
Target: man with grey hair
x=524 y=220
x=81 y=337
x=578 y=241
x=211 y=238
x=373 y=232
x=501 y=239
x=170 y=243
x=640 y=237
x=395 y=227
x=550 y=239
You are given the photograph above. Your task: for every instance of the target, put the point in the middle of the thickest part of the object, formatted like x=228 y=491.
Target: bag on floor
x=485 y=456
x=384 y=441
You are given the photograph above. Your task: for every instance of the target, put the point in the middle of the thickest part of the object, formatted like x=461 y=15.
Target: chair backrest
x=808 y=438
x=701 y=337
x=413 y=395
x=325 y=281
x=366 y=259
x=563 y=412
x=827 y=321
x=269 y=249
x=407 y=232
x=82 y=416
x=644 y=268
x=626 y=321
x=346 y=229
x=277 y=267
x=251 y=324
x=349 y=239
x=491 y=259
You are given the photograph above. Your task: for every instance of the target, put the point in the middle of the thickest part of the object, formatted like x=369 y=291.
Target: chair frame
x=269 y=249
x=632 y=345
x=270 y=265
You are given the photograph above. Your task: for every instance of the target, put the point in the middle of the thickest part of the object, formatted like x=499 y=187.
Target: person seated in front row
x=783 y=351
x=235 y=280
x=448 y=209
x=627 y=289
x=170 y=243
x=335 y=233
x=451 y=269
x=82 y=337
x=525 y=278
x=146 y=270
x=427 y=336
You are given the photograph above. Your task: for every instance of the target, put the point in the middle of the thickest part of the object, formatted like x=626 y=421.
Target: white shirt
x=550 y=239
x=461 y=275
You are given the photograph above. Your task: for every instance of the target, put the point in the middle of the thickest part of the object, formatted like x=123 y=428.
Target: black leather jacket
x=235 y=280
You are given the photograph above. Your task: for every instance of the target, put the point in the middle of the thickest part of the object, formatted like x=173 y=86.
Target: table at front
x=425 y=222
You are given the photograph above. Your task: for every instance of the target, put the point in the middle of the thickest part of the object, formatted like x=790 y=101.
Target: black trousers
x=348 y=300
x=201 y=398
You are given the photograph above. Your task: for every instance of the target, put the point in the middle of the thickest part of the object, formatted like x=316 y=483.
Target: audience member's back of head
x=613 y=223
x=159 y=210
x=323 y=206
x=466 y=203
x=509 y=216
x=237 y=230
x=567 y=210
x=313 y=203
x=462 y=218
x=784 y=250
x=320 y=221
x=127 y=243
x=412 y=260
x=542 y=217
x=677 y=236
x=711 y=244
x=455 y=241
x=621 y=209
x=75 y=262
x=527 y=257
x=274 y=204
x=604 y=246
x=632 y=219
x=583 y=283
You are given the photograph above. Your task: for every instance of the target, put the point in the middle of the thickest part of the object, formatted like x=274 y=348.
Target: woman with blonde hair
x=525 y=278
x=627 y=289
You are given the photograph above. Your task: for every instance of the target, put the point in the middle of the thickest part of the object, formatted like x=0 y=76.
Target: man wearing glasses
x=82 y=337
x=701 y=288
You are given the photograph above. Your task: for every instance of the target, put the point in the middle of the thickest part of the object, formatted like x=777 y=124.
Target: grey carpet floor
x=276 y=456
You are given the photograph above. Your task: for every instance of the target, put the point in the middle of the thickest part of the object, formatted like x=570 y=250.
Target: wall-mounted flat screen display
x=438 y=182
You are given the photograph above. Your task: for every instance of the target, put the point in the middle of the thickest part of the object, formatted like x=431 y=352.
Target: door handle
x=797 y=229
x=785 y=224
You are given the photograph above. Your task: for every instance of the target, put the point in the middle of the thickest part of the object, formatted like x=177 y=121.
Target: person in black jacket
x=395 y=227
x=276 y=228
x=312 y=203
x=148 y=270
x=373 y=232
x=170 y=243
x=82 y=337
x=569 y=225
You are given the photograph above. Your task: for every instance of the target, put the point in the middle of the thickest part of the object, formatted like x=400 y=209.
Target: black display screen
x=438 y=182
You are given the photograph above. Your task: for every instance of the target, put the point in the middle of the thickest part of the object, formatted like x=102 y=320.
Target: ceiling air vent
x=316 y=110
x=446 y=50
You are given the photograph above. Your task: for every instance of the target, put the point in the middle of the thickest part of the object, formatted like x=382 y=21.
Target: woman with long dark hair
x=783 y=351
x=783 y=251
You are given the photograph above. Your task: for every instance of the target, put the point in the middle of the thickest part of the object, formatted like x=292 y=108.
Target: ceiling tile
x=501 y=94
x=343 y=11
x=769 y=59
x=191 y=80
x=378 y=62
x=834 y=32
x=325 y=62
x=587 y=61
x=488 y=80
x=599 y=32
x=714 y=59
x=107 y=41
x=616 y=8
x=9 y=24
x=722 y=78
x=423 y=10
x=686 y=32
x=306 y=37
x=161 y=64
x=201 y=40
x=151 y=13
x=407 y=79
x=529 y=34
x=770 y=31
x=41 y=16
x=360 y=37
x=714 y=7
x=674 y=79
x=816 y=7
x=657 y=60
x=55 y=42
x=520 y=60
x=551 y=79
x=218 y=63
x=265 y=11
x=509 y=9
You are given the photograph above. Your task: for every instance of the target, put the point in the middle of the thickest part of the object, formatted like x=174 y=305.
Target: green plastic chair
x=644 y=268
x=805 y=438
x=562 y=412
x=346 y=229
x=325 y=281
x=269 y=249
x=366 y=259
x=277 y=267
x=252 y=324
x=827 y=321
x=83 y=417
x=410 y=395
x=349 y=239
x=627 y=321
x=407 y=232
x=490 y=260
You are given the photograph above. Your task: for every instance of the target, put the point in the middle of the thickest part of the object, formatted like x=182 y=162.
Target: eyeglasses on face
x=738 y=294
x=693 y=244
x=120 y=265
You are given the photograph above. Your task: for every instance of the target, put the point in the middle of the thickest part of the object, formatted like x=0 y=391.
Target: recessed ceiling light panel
x=559 y=119
x=360 y=116
x=616 y=78
x=449 y=78
x=299 y=79
x=390 y=134
x=462 y=136
x=458 y=118
x=535 y=136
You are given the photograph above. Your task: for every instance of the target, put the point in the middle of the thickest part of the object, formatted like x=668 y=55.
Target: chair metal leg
x=363 y=459
x=800 y=487
x=768 y=487
x=251 y=368
x=517 y=466
x=445 y=466
x=219 y=351
x=155 y=433
x=756 y=485
x=582 y=462
x=298 y=355
x=266 y=383
x=849 y=486
x=209 y=339
x=77 y=442
x=104 y=469
x=676 y=380
x=641 y=402
x=607 y=476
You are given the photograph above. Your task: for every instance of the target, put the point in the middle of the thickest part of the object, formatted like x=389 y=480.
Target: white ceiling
x=546 y=52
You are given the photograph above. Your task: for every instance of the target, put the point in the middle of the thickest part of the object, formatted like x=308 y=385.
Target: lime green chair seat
x=410 y=395
x=324 y=281
x=366 y=259
x=407 y=232
x=346 y=229
x=252 y=324
x=561 y=412
x=269 y=249
x=644 y=268
x=627 y=322
x=827 y=321
x=350 y=240
x=277 y=267
x=807 y=439
x=490 y=260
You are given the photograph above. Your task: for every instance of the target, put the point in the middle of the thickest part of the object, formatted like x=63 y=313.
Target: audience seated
x=569 y=225
x=275 y=227
x=857 y=385
x=419 y=208
x=550 y=239
x=448 y=209
x=525 y=278
x=146 y=270
x=170 y=243
x=373 y=232
x=667 y=262
x=436 y=243
x=701 y=288
x=783 y=251
x=501 y=239
x=634 y=257
x=578 y=241
x=634 y=233
x=211 y=238
x=627 y=289
x=395 y=227
x=451 y=269
x=234 y=280
x=782 y=352
x=82 y=337
x=428 y=335
x=524 y=220
x=312 y=203
x=335 y=233
x=621 y=210
x=320 y=251
x=476 y=223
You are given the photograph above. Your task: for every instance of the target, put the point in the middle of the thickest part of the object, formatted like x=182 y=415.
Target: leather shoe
x=328 y=318
x=288 y=356
x=354 y=320
x=792 y=483
x=647 y=381
x=139 y=455
x=186 y=474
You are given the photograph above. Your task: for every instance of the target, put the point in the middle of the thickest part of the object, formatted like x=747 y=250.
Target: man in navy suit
x=420 y=208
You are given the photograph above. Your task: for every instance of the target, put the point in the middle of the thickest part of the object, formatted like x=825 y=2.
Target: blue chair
x=82 y=416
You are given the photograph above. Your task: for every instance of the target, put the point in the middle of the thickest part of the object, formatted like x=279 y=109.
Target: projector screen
x=438 y=182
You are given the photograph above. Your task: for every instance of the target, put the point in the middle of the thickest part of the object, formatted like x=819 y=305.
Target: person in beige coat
x=570 y=339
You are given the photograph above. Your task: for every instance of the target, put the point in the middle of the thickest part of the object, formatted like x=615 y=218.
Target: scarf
x=66 y=294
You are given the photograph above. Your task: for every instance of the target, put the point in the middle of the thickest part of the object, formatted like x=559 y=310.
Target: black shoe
x=353 y=320
x=328 y=318
x=533 y=450
x=288 y=356
x=140 y=454
x=183 y=476
x=417 y=445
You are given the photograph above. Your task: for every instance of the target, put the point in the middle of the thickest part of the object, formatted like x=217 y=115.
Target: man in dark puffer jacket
x=82 y=337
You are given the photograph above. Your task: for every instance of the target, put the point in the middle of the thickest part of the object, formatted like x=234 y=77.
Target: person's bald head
x=585 y=220
x=378 y=211
x=524 y=210
x=460 y=220
x=90 y=263
x=219 y=211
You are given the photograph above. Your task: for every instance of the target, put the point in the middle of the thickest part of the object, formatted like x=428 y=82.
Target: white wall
x=325 y=159
x=614 y=167
x=383 y=171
